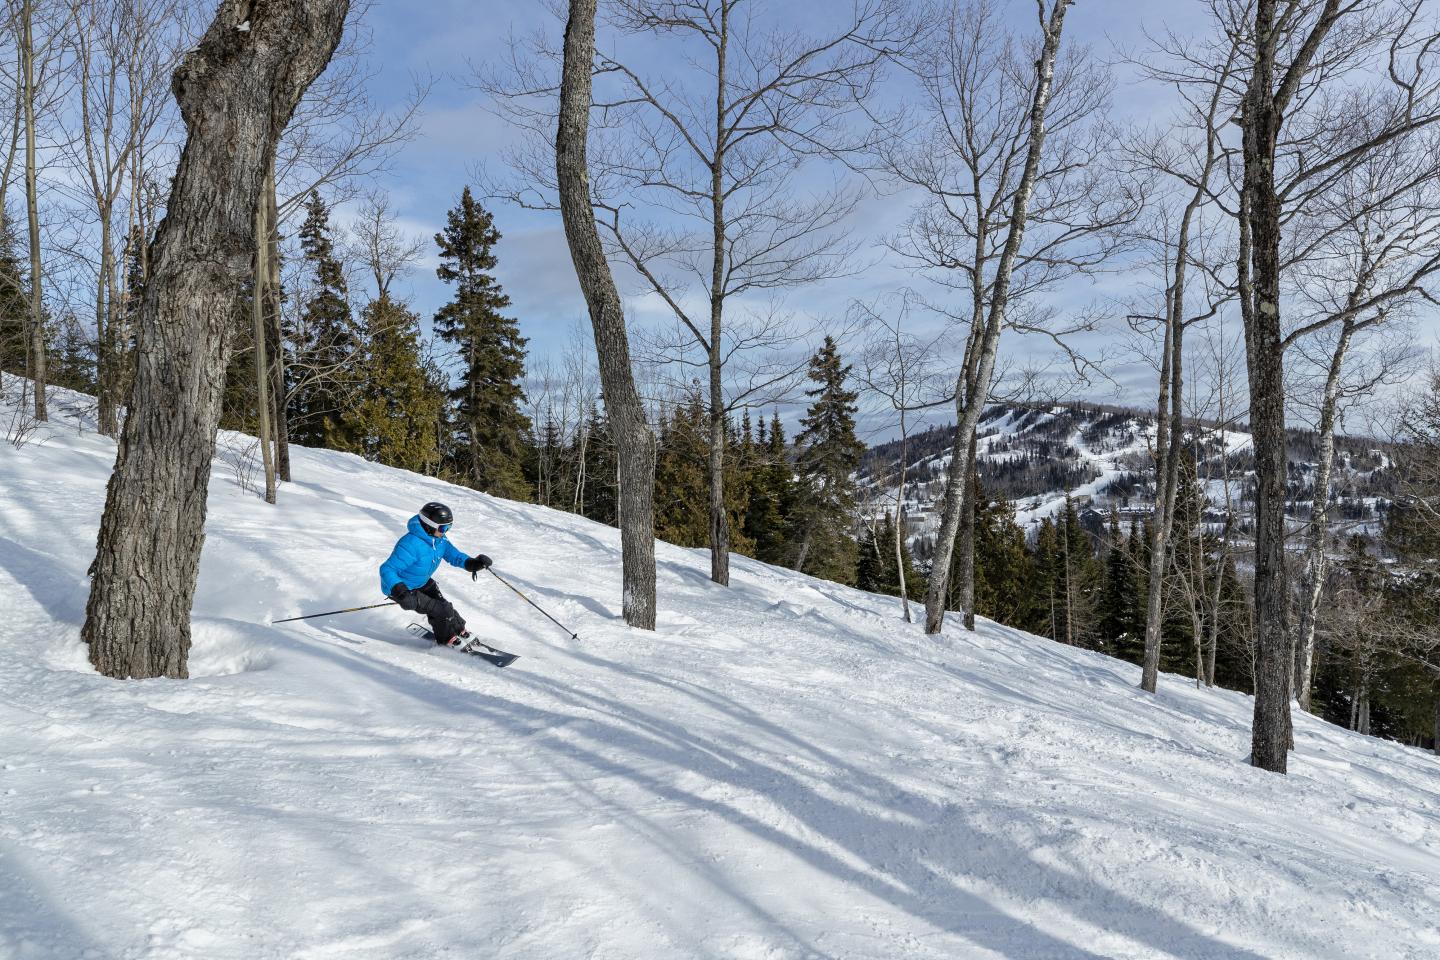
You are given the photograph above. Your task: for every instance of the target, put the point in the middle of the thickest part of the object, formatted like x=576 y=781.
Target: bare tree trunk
x=634 y=441
x=1259 y=268
x=967 y=544
x=32 y=207
x=1319 y=535
x=974 y=398
x=1436 y=745
x=1213 y=642
x=719 y=521
x=278 y=386
x=236 y=90
x=259 y=282
x=900 y=517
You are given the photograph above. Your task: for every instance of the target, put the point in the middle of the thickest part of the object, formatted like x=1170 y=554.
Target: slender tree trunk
x=236 y=90
x=259 y=282
x=106 y=344
x=1260 y=307
x=279 y=388
x=719 y=520
x=1213 y=641
x=634 y=440
x=32 y=207
x=1436 y=745
x=967 y=543
x=1318 y=543
x=900 y=520
x=974 y=399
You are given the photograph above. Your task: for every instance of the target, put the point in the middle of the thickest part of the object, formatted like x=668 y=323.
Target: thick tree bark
x=634 y=440
x=236 y=90
x=974 y=391
x=1259 y=267
x=36 y=340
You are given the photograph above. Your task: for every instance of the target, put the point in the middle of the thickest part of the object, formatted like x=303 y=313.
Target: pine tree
x=828 y=454
x=491 y=430
x=330 y=349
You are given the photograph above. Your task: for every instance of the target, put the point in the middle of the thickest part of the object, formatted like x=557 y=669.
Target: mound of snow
x=783 y=769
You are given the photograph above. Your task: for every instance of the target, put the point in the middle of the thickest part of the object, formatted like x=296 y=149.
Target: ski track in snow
x=782 y=770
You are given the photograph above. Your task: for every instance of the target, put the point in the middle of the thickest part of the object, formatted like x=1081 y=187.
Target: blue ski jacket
x=416 y=557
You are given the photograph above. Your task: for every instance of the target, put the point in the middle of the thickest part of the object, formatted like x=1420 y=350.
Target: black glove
x=477 y=563
x=404 y=596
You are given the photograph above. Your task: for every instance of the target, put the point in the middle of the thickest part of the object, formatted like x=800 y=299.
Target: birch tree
x=236 y=90
x=983 y=165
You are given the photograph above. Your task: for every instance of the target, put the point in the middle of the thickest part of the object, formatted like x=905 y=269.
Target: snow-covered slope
x=783 y=769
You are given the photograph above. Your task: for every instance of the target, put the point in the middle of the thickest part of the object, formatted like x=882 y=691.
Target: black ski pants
x=444 y=621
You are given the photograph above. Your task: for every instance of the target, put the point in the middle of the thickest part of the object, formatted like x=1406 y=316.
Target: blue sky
x=443 y=38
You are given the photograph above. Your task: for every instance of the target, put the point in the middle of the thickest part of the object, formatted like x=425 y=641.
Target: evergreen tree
x=1119 y=625
x=399 y=405
x=682 y=506
x=330 y=349
x=1004 y=568
x=72 y=358
x=491 y=429
x=876 y=570
x=14 y=300
x=828 y=454
x=597 y=472
x=769 y=509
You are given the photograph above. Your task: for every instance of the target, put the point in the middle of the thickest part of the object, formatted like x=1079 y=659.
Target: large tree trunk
x=236 y=90
x=1260 y=307
x=36 y=340
x=975 y=390
x=634 y=441
x=1319 y=534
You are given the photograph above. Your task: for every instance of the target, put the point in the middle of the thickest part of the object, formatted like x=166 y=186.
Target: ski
x=474 y=648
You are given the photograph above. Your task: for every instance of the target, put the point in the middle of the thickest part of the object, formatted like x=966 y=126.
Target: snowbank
x=783 y=769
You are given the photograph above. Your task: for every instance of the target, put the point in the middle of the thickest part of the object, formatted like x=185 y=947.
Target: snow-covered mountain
x=1101 y=457
x=783 y=769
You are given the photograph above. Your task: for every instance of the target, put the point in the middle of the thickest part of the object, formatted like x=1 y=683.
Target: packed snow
x=784 y=769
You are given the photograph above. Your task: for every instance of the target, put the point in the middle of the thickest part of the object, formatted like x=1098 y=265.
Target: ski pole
x=573 y=634
x=331 y=613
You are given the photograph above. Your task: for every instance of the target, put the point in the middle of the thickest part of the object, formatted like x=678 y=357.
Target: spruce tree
x=828 y=454
x=330 y=349
x=491 y=430
x=772 y=497
x=399 y=404
x=682 y=488
x=1004 y=568
x=597 y=472
x=1119 y=627
x=14 y=301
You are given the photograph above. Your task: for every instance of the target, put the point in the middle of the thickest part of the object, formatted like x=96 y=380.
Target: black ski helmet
x=436 y=515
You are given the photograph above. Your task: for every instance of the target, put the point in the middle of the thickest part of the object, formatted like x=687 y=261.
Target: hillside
x=783 y=769
x=1102 y=457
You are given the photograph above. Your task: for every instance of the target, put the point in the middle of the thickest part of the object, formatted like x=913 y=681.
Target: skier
x=405 y=576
